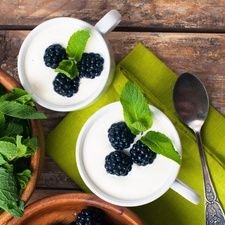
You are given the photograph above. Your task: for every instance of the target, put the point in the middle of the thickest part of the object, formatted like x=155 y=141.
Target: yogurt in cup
x=142 y=184
x=37 y=79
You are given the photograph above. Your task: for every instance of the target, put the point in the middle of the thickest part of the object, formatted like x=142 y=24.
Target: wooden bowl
x=62 y=209
x=37 y=159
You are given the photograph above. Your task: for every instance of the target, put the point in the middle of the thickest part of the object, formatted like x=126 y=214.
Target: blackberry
x=65 y=86
x=120 y=136
x=90 y=65
x=118 y=163
x=90 y=216
x=141 y=154
x=54 y=54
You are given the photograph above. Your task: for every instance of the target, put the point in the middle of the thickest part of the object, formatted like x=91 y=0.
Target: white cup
x=37 y=79
x=142 y=184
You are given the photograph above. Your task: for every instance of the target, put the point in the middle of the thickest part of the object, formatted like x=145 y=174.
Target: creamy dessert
x=38 y=79
x=142 y=184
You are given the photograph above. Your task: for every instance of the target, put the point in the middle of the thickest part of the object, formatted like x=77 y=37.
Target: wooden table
x=185 y=35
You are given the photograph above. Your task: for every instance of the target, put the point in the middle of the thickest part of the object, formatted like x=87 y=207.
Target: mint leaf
x=2 y=160
x=8 y=150
x=31 y=145
x=17 y=110
x=161 y=144
x=9 y=194
x=137 y=114
x=67 y=67
x=23 y=178
x=76 y=44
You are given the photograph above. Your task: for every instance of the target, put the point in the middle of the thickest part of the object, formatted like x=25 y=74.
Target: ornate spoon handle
x=213 y=210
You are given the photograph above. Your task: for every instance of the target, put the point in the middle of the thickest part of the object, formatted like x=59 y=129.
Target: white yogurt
x=142 y=184
x=38 y=79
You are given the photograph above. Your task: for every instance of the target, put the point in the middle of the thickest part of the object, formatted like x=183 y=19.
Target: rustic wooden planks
x=205 y=15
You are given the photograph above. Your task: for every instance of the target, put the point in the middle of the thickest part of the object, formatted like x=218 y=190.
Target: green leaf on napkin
x=137 y=114
x=161 y=144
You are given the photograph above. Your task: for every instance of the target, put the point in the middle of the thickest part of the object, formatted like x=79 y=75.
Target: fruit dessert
x=121 y=135
x=64 y=64
x=128 y=146
x=72 y=64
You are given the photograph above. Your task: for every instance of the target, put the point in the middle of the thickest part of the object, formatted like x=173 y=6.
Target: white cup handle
x=185 y=191
x=108 y=22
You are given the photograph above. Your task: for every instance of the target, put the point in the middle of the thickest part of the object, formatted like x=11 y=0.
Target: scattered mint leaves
x=137 y=114
x=161 y=144
x=74 y=50
x=68 y=67
x=16 y=147
x=138 y=118
x=76 y=44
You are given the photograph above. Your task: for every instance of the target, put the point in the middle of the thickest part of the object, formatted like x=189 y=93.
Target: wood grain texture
x=199 y=53
x=148 y=14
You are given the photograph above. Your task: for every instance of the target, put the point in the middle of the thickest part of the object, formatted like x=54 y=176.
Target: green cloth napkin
x=156 y=81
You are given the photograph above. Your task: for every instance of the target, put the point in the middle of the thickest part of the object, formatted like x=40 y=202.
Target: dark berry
x=53 y=55
x=65 y=86
x=120 y=136
x=90 y=65
x=141 y=154
x=90 y=216
x=118 y=163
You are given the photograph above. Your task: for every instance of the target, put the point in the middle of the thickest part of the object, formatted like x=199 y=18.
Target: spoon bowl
x=191 y=101
x=192 y=104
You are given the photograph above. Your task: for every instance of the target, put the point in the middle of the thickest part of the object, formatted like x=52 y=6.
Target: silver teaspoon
x=192 y=104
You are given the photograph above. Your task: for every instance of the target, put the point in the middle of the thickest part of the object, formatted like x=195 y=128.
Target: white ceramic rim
x=109 y=66
x=109 y=108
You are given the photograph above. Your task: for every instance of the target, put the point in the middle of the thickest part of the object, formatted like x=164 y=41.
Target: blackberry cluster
x=89 y=216
x=141 y=154
x=118 y=163
x=120 y=136
x=53 y=55
x=90 y=65
x=65 y=86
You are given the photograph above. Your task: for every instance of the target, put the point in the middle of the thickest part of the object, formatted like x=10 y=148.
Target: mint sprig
x=67 y=67
x=16 y=110
x=136 y=112
x=74 y=50
x=76 y=44
x=161 y=144
x=138 y=117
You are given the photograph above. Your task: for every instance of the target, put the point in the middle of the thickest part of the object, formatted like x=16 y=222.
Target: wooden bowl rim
x=77 y=198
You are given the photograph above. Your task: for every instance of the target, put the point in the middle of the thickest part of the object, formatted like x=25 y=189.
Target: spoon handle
x=213 y=210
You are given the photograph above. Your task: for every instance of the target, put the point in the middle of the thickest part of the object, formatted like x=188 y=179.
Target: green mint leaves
x=137 y=114
x=67 y=67
x=138 y=118
x=16 y=147
x=74 y=50
x=76 y=44
x=161 y=144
